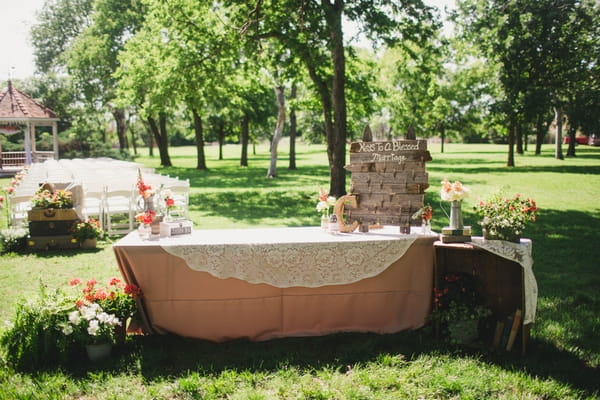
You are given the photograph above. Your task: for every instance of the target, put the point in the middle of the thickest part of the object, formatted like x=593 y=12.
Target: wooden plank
x=397 y=157
x=388 y=146
x=376 y=187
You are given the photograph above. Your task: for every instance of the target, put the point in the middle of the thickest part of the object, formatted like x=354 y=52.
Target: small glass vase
x=425 y=226
x=167 y=217
x=456 y=218
x=144 y=231
x=324 y=221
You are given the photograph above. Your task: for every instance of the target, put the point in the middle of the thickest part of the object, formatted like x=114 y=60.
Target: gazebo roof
x=17 y=107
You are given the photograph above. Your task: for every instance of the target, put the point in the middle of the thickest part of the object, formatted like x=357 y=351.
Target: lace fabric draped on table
x=293 y=264
x=522 y=254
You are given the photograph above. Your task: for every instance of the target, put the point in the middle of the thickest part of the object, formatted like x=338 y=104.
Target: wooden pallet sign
x=388 y=182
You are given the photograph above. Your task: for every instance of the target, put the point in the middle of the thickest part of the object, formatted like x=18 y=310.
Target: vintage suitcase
x=52 y=214
x=59 y=242
x=51 y=228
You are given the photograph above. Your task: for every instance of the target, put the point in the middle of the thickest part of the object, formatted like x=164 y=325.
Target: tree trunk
x=244 y=140
x=511 y=144
x=280 y=99
x=337 y=141
x=199 y=132
x=221 y=137
x=160 y=135
x=572 y=142
x=539 y=134
x=149 y=138
x=558 y=113
x=519 y=138
x=121 y=123
x=293 y=128
x=443 y=136
x=133 y=139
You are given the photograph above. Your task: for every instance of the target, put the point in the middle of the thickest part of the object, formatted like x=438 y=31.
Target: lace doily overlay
x=295 y=256
x=520 y=253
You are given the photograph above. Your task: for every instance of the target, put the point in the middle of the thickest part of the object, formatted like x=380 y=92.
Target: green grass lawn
x=564 y=351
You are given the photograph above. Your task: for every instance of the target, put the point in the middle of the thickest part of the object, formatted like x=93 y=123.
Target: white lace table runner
x=520 y=253
x=286 y=257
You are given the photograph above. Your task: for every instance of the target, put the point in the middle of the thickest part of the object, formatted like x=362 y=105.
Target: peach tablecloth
x=187 y=300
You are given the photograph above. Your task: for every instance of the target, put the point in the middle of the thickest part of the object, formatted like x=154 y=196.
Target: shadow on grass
x=159 y=357
x=475 y=166
x=227 y=177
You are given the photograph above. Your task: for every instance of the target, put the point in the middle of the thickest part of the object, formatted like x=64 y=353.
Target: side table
x=501 y=280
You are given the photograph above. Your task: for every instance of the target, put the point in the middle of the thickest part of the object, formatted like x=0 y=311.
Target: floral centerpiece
x=148 y=214
x=45 y=198
x=324 y=204
x=458 y=308
x=505 y=218
x=87 y=229
x=455 y=193
x=425 y=214
x=168 y=202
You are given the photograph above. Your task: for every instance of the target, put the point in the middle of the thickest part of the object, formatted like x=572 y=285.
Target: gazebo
x=18 y=110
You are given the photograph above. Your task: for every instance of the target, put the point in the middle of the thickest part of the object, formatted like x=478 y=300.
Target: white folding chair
x=181 y=195
x=19 y=205
x=119 y=211
x=93 y=206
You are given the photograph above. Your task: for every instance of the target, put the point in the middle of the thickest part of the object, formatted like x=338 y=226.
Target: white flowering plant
x=90 y=324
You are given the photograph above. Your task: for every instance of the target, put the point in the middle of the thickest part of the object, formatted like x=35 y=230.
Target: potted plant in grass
x=458 y=308
x=116 y=298
x=86 y=233
x=93 y=327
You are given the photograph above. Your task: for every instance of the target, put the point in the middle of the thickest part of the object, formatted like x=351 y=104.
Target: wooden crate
x=501 y=281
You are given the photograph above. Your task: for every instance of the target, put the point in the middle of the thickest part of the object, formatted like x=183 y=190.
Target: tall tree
x=93 y=58
x=542 y=47
x=60 y=22
x=313 y=32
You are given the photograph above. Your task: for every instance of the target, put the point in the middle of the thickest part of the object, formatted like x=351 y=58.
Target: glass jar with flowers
x=87 y=232
x=323 y=206
x=454 y=192
x=168 y=203
x=458 y=308
x=505 y=218
x=425 y=214
x=147 y=217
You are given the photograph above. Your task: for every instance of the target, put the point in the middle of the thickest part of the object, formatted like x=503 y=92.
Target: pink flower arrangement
x=453 y=191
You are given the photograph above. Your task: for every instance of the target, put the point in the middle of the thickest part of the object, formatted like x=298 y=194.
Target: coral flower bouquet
x=505 y=218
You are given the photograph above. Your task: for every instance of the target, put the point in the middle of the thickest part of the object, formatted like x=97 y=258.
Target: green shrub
x=34 y=340
x=13 y=240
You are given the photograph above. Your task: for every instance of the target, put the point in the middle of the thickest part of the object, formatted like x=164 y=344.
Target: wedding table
x=266 y=283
